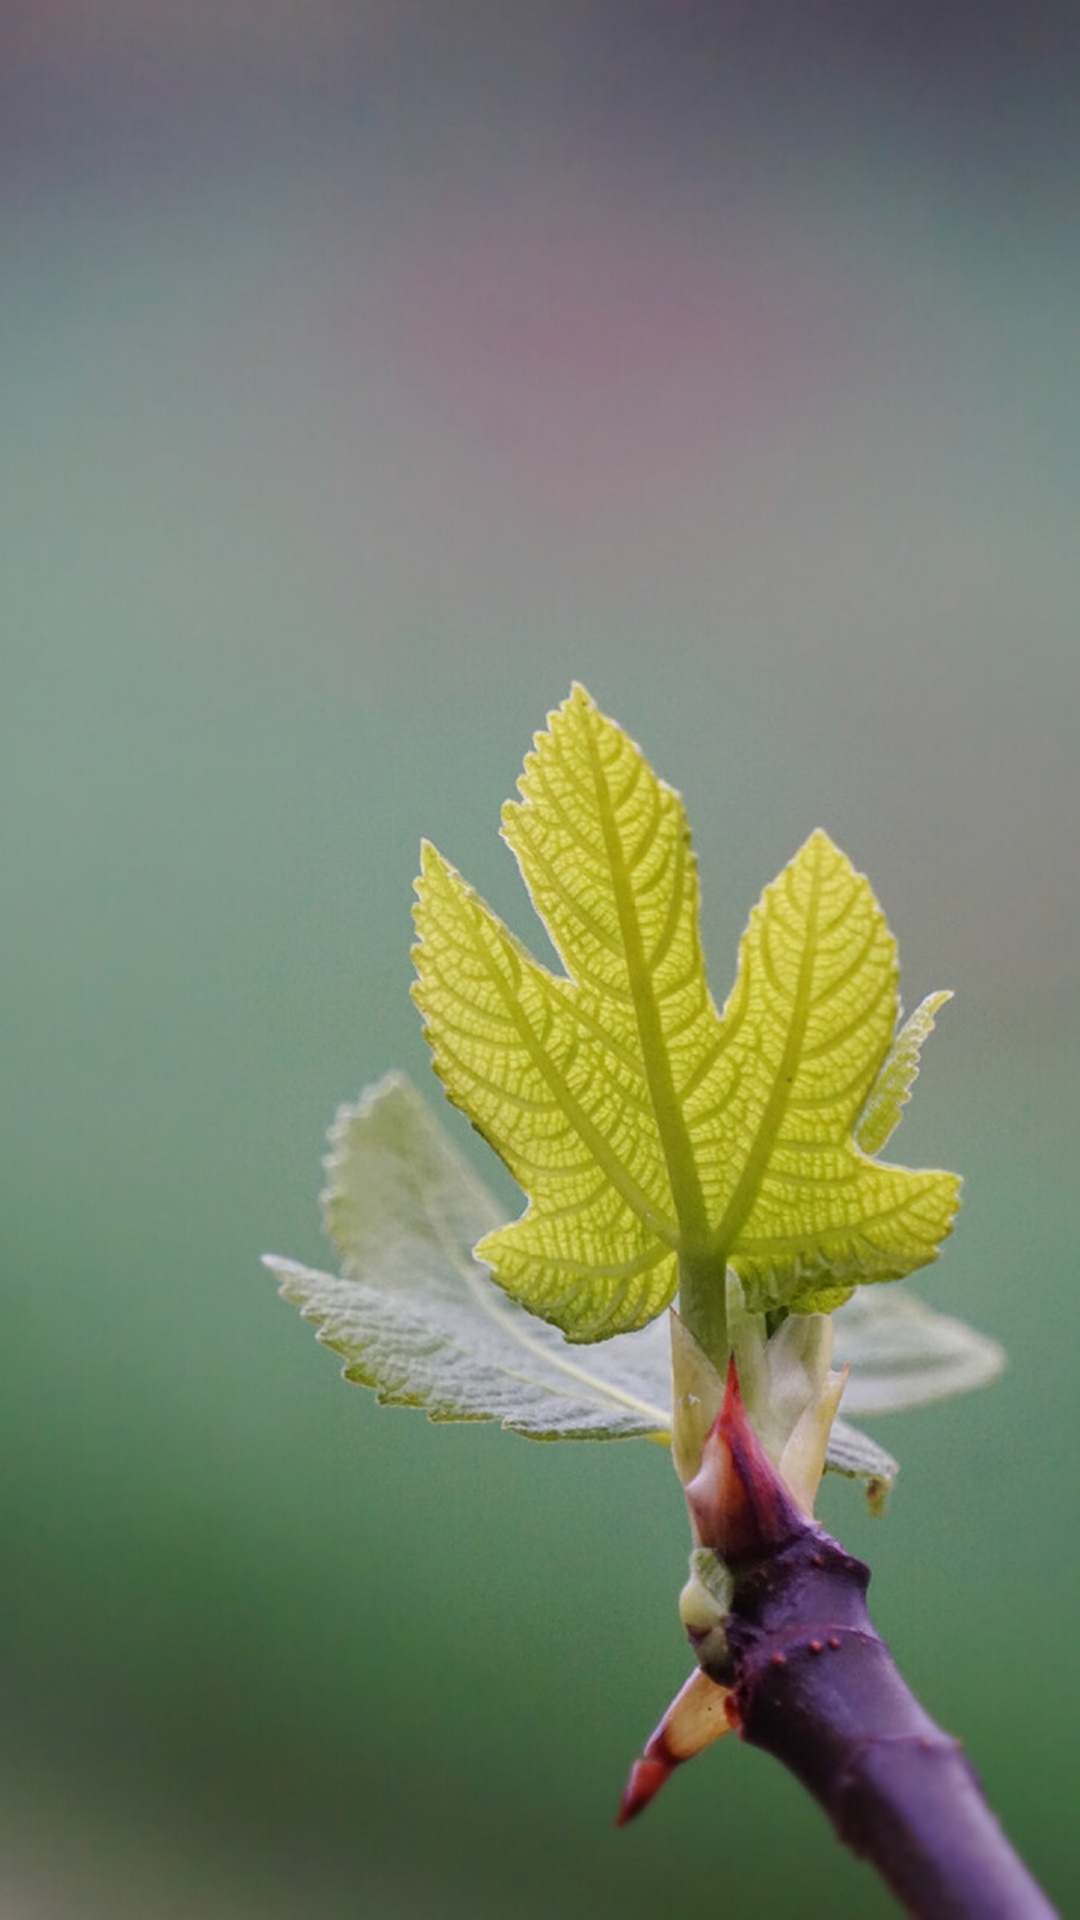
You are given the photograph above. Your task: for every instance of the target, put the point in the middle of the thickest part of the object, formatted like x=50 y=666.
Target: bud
x=787 y=1388
x=704 y=1605
x=697 y=1716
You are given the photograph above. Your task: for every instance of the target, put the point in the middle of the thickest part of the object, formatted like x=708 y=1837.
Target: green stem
x=703 y=1304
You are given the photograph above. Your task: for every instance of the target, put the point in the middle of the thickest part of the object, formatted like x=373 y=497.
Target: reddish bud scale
x=700 y=1713
x=738 y=1503
x=646 y=1779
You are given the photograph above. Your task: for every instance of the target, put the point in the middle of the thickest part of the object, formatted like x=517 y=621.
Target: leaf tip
x=820 y=838
x=821 y=846
x=431 y=860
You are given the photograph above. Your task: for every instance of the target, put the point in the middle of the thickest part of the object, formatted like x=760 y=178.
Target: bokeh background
x=369 y=372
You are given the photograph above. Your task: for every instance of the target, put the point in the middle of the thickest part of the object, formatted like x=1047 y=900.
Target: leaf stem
x=703 y=1304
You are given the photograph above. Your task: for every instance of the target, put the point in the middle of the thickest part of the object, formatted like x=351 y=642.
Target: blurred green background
x=368 y=373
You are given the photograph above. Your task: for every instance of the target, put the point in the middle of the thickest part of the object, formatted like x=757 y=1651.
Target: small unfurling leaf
x=898 y=1073
x=853 y=1454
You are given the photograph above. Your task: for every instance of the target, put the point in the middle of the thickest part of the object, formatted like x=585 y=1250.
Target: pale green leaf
x=899 y=1071
x=903 y=1353
x=416 y=1317
x=395 y=1183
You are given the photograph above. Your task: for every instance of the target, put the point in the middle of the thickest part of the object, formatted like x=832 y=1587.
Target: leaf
x=903 y=1353
x=857 y=1457
x=644 y=1129
x=899 y=1071
x=416 y=1317
x=395 y=1184
x=583 y=1083
x=806 y=1214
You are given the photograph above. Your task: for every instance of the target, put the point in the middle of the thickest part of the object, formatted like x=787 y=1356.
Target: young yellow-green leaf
x=899 y=1071
x=644 y=1128
x=584 y=1083
x=803 y=1213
